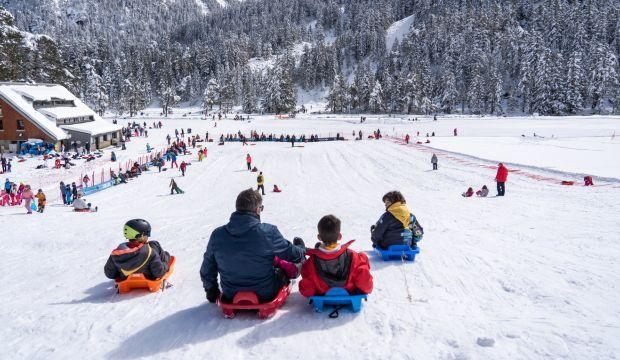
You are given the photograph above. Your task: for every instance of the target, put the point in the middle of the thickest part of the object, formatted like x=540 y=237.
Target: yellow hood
x=401 y=213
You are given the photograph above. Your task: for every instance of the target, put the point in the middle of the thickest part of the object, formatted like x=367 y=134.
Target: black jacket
x=148 y=259
x=242 y=253
x=388 y=231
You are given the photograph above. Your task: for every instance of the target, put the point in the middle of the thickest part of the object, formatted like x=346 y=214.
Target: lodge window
x=1 y=125
x=20 y=125
x=105 y=137
x=114 y=135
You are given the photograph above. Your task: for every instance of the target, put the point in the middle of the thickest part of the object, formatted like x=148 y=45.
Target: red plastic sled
x=566 y=182
x=248 y=301
x=138 y=281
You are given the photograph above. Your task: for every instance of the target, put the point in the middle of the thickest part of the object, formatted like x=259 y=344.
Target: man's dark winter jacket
x=137 y=257
x=242 y=252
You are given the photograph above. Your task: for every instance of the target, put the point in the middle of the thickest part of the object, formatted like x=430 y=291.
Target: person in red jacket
x=501 y=177
x=332 y=265
x=248 y=160
x=183 y=167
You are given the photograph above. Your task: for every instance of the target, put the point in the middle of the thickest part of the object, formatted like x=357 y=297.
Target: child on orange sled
x=139 y=255
x=333 y=265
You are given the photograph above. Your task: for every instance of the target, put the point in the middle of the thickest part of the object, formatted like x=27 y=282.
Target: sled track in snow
x=514 y=168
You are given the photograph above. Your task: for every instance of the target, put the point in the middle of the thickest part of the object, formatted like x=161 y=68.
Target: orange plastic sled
x=138 y=281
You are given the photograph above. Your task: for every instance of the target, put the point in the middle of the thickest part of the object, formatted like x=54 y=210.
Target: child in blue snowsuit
x=68 y=193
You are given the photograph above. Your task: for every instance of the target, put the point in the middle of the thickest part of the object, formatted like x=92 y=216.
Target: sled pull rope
x=402 y=269
x=334 y=314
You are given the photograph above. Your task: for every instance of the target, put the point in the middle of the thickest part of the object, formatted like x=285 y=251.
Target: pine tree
x=375 y=102
x=211 y=94
x=337 y=100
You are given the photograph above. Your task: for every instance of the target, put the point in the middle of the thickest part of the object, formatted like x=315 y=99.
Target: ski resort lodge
x=51 y=113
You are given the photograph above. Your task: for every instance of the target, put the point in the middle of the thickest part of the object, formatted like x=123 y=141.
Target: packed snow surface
x=530 y=275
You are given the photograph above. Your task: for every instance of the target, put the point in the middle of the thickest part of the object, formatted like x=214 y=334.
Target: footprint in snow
x=485 y=342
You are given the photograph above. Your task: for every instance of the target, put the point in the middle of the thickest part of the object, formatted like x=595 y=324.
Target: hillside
x=485 y=57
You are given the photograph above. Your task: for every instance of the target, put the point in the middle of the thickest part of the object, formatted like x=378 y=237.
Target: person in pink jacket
x=28 y=196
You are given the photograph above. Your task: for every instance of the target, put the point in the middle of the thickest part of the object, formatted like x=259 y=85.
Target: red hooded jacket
x=502 y=174
x=358 y=279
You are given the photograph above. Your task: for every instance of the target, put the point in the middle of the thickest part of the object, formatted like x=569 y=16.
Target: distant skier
x=500 y=178
x=455 y=132
x=139 y=255
x=434 y=161
x=183 y=167
x=484 y=192
x=332 y=265
x=397 y=226
x=248 y=161
x=174 y=187
x=407 y=139
x=260 y=180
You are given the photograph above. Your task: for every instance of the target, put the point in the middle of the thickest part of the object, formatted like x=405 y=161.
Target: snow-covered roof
x=93 y=128
x=10 y=93
x=66 y=112
x=43 y=92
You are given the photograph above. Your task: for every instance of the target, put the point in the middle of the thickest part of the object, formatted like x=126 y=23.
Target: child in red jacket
x=331 y=265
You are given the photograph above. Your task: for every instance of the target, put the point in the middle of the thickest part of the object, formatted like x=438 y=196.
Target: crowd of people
x=16 y=195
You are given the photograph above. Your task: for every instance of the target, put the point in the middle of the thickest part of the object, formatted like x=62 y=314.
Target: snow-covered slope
x=530 y=275
x=397 y=31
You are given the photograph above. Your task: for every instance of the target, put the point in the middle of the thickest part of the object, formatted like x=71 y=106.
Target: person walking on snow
x=173 y=160
x=260 y=180
x=248 y=160
x=183 y=167
x=407 y=139
x=501 y=177
x=41 y=200
x=434 y=161
x=27 y=196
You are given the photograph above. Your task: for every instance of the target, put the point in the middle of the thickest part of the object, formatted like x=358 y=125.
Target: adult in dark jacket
x=139 y=255
x=242 y=252
x=434 y=161
x=397 y=226
x=74 y=190
x=501 y=177
x=63 y=193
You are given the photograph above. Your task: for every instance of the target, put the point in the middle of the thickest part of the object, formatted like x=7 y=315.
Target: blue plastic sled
x=336 y=297
x=398 y=252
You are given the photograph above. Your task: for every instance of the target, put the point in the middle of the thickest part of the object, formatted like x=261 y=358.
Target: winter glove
x=372 y=228
x=297 y=241
x=213 y=294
